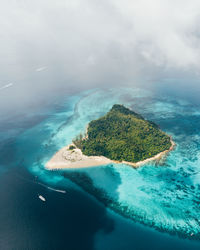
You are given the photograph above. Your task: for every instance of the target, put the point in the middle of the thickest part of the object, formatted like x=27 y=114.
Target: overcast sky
x=48 y=44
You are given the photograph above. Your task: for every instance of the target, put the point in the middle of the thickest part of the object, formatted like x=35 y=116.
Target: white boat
x=41 y=198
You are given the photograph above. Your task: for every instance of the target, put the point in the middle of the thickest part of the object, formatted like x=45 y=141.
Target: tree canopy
x=123 y=135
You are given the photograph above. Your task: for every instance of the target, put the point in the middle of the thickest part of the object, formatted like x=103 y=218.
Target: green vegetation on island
x=123 y=135
x=71 y=147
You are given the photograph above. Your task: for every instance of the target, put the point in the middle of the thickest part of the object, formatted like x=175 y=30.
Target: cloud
x=165 y=30
x=89 y=43
x=158 y=33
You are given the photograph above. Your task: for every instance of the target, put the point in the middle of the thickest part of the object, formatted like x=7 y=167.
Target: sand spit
x=66 y=158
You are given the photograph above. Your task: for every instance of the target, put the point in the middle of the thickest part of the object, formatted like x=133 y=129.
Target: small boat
x=41 y=198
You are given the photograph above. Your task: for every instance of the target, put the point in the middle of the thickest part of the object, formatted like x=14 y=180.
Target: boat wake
x=41 y=184
x=6 y=86
x=53 y=189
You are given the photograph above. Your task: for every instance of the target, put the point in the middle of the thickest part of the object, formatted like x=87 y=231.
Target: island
x=121 y=136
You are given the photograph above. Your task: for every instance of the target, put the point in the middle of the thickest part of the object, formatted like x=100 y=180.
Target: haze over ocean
x=110 y=207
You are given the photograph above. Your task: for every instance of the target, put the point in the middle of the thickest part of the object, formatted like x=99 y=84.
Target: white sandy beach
x=70 y=159
x=66 y=158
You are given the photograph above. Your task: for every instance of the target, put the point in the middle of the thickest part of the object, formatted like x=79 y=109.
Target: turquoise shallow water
x=164 y=196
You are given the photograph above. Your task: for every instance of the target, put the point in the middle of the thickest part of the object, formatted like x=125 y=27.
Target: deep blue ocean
x=113 y=207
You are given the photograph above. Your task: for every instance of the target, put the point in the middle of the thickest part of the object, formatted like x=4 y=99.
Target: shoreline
x=67 y=158
x=157 y=157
